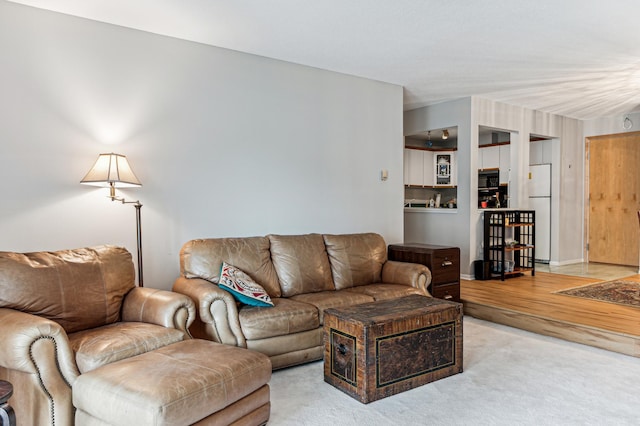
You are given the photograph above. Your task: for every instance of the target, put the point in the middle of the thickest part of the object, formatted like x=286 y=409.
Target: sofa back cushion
x=301 y=263
x=356 y=259
x=79 y=289
x=203 y=259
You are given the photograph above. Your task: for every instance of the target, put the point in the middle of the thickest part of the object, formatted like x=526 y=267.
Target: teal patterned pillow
x=242 y=287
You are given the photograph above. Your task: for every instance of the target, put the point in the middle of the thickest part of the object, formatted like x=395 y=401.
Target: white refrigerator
x=540 y=201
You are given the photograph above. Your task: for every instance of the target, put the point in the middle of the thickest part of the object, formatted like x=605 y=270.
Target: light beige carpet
x=511 y=377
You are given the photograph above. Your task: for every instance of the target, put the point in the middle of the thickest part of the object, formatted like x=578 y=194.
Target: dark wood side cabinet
x=443 y=261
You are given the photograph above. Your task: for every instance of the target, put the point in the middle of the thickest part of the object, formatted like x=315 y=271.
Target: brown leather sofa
x=67 y=313
x=303 y=275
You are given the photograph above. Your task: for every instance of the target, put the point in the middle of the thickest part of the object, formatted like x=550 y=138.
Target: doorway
x=613 y=198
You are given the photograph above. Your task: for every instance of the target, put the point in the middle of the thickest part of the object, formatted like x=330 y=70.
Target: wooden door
x=614 y=198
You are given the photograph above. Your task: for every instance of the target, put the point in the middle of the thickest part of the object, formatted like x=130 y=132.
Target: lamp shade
x=111 y=170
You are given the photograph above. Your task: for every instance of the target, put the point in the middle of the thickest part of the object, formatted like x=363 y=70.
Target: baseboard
x=565 y=262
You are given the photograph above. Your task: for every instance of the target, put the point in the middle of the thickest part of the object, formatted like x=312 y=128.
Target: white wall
x=225 y=143
x=611 y=125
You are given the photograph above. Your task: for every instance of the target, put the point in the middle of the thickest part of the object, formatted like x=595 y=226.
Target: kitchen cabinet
x=415 y=165
x=489 y=157
x=496 y=157
x=509 y=242
x=419 y=167
x=407 y=153
x=429 y=170
x=540 y=151
x=504 y=163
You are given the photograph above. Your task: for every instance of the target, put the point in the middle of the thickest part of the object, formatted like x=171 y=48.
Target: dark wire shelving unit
x=509 y=242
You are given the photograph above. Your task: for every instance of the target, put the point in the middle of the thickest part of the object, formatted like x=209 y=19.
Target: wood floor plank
x=530 y=302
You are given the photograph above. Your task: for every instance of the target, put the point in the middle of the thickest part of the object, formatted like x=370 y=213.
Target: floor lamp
x=113 y=171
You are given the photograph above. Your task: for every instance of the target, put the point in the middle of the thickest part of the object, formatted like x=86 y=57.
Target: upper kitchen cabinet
x=489 y=157
x=418 y=167
x=505 y=163
x=495 y=152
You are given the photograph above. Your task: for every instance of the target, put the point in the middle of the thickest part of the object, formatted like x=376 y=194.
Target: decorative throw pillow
x=242 y=287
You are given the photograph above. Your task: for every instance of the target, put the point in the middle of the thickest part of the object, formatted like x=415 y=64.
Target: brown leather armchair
x=66 y=313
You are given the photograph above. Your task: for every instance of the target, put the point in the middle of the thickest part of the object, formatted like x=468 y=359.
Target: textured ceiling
x=578 y=58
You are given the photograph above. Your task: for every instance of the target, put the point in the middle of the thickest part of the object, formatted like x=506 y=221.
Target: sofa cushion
x=114 y=342
x=203 y=259
x=301 y=263
x=42 y=283
x=382 y=291
x=242 y=287
x=332 y=299
x=286 y=317
x=356 y=259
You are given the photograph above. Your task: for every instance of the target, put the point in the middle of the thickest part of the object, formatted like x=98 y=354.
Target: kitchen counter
x=444 y=210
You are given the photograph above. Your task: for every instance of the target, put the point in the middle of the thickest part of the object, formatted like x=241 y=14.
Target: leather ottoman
x=188 y=382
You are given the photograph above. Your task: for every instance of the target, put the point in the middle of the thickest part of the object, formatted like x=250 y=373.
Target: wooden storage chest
x=378 y=349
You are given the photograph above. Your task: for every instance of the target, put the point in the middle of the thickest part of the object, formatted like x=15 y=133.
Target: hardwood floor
x=528 y=303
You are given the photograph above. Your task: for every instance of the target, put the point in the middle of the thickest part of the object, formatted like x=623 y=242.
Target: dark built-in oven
x=488 y=179
x=490 y=193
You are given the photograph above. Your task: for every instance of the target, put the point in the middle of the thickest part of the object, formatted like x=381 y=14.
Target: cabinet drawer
x=448 y=291
x=445 y=266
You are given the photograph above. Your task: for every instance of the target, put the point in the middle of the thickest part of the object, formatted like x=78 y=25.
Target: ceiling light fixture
x=445 y=134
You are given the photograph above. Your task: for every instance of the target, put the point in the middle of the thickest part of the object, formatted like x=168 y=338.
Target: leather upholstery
x=314 y=272
x=356 y=259
x=286 y=317
x=382 y=291
x=35 y=356
x=103 y=345
x=332 y=299
x=203 y=259
x=217 y=315
x=178 y=384
x=53 y=304
x=301 y=263
x=97 y=278
x=403 y=273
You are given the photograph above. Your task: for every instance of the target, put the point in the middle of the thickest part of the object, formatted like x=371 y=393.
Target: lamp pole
x=138 y=206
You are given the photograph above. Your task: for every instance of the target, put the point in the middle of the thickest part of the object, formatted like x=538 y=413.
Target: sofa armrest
x=412 y=274
x=159 y=307
x=28 y=343
x=216 y=311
